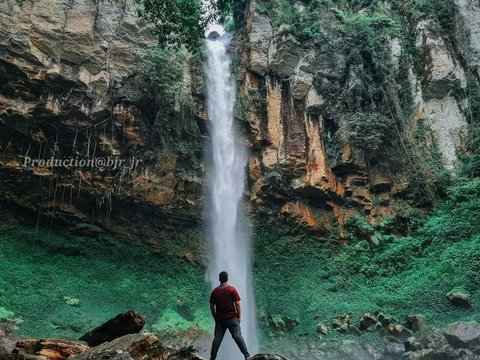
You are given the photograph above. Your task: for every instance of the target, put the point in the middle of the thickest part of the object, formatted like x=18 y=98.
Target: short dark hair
x=223 y=276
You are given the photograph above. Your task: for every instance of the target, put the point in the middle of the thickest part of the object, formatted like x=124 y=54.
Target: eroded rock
x=49 y=348
x=127 y=323
x=464 y=335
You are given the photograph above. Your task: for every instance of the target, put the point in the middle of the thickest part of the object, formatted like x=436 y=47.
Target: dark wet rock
x=367 y=322
x=188 y=353
x=123 y=324
x=213 y=35
x=393 y=351
x=464 y=335
x=284 y=57
x=414 y=322
x=412 y=344
x=384 y=319
x=268 y=357
x=459 y=298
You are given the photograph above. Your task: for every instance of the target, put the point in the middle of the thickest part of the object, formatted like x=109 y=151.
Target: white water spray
x=229 y=227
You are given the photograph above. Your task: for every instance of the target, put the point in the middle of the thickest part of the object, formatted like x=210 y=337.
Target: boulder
x=412 y=344
x=393 y=351
x=279 y=323
x=447 y=352
x=50 y=348
x=464 y=335
x=459 y=297
x=213 y=35
x=342 y=323
x=137 y=347
x=284 y=57
x=358 y=351
x=268 y=357
x=414 y=322
x=367 y=321
x=431 y=338
x=322 y=329
x=301 y=83
x=127 y=323
x=384 y=319
x=188 y=353
x=425 y=354
x=397 y=330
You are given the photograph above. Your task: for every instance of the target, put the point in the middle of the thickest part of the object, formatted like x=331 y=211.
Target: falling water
x=229 y=226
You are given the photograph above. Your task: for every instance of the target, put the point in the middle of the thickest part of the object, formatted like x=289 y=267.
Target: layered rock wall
x=69 y=89
x=296 y=107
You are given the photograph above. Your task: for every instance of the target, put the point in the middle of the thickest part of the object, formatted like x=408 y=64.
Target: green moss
x=369 y=132
x=401 y=275
x=9 y=316
x=169 y=320
x=42 y=274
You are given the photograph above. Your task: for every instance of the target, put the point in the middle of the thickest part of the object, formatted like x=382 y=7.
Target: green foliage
x=398 y=276
x=444 y=11
x=176 y=22
x=224 y=9
x=258 y=97
x=264 y=7
x=369 y=132
x=39 y=270
x=285 y=13
x=366 y=38
x=163 y=71
x=9 y=316
x=179 y=23
x=304 y=25
x=471 y=158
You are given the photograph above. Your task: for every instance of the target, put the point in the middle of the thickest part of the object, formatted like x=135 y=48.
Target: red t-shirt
x=224 y=299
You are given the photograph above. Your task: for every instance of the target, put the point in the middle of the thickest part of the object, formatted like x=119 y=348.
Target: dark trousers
x=221 y=326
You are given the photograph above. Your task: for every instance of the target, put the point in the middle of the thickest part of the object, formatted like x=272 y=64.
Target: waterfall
x=229 y=227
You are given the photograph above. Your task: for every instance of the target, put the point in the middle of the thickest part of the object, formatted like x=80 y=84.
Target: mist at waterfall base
x=228 y=227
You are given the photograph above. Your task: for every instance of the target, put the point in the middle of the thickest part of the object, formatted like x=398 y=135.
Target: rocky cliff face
x=68 y=90
x=300 y=93
x=307 y=104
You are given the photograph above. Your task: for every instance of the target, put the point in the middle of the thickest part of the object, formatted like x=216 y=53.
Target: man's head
x=223 y=277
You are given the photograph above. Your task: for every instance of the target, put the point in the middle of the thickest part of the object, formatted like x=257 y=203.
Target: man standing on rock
x=226 y=311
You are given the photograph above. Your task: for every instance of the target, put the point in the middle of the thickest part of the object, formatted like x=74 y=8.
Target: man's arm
x=239 y=309
x=212 y=309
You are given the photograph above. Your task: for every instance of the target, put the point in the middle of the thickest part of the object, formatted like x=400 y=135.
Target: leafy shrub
x=444 y=11
x=471 y=158
x=368 y=132
x=163 y=70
